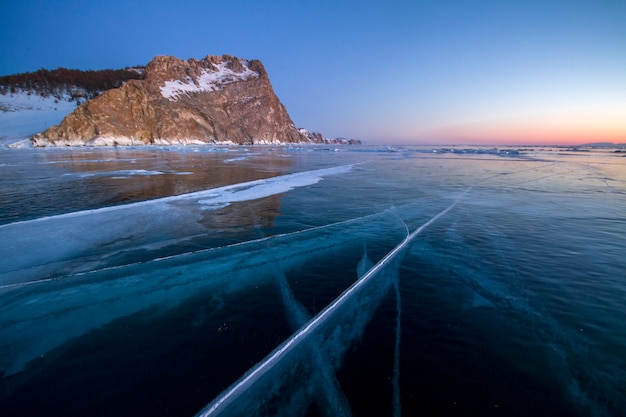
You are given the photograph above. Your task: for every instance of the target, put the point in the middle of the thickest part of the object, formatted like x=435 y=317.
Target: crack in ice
x=221 y=403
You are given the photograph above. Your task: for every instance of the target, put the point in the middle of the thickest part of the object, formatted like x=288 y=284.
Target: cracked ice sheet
x=38 y=317
x=73 y=242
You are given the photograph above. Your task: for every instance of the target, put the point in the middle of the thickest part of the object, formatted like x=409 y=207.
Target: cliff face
x=212 y=100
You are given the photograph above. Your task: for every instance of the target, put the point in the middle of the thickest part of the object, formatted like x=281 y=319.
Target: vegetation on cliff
x=71 y=84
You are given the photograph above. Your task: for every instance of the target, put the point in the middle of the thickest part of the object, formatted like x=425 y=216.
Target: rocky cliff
x=212 y=100
x=316 y=137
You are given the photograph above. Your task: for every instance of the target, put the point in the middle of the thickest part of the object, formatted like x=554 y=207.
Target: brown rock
x=212 y=100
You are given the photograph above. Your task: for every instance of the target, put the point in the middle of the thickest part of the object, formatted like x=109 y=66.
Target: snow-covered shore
x=22 y=115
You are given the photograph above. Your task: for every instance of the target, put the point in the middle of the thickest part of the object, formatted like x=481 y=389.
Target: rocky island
x=218 y=99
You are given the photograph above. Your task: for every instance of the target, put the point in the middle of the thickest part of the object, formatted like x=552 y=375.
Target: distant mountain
x=218 y=99
x=316 y=137
x=601 y=145
x=213 y=100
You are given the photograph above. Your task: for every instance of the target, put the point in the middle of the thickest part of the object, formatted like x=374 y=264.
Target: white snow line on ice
x=244 y=191
x=196 y=252
x=317 y=321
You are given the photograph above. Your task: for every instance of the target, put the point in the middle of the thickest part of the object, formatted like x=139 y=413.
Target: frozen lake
x=312 y=281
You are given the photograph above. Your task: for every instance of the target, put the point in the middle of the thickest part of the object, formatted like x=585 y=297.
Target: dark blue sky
x=395 y=71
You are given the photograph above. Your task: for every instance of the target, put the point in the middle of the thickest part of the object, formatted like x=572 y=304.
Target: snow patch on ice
x=124 y=173
x=221 y=197
x=241 y=158
x=35 y=251
x=208 y=81
x=259 y=190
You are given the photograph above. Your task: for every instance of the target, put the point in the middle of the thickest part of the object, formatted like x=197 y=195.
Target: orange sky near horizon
x=566 y=128
x=530 y=135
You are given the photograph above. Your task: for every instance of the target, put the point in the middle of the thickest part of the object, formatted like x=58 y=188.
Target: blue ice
x=82 y=241
x=275 y=385
x=40 y=315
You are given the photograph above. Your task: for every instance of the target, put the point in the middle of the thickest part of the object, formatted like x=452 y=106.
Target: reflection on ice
x=84 y=240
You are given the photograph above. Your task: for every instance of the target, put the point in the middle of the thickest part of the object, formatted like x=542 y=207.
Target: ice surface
x=511 y=282
x=278 y=384
x=258 y=189
x=125 y=173
x=365 y=264
x=240 y=158
x=330 y=399
x=41 y=315
x=351 y=310
x=44 y=247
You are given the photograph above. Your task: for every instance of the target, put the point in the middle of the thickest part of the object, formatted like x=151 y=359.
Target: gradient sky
x=482 y=72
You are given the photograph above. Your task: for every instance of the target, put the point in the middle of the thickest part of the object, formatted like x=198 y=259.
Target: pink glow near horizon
x=563 y=129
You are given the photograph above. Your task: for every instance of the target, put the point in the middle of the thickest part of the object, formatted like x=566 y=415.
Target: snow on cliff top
x=208 y=81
